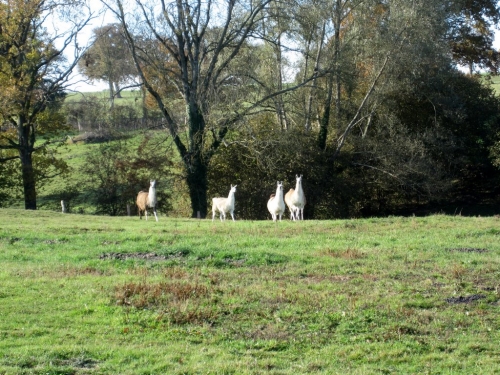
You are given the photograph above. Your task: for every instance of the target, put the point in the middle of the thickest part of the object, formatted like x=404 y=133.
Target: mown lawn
x=83 y=294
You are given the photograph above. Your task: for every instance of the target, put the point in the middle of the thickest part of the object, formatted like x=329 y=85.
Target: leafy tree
x=108 y=59
x=115 y=173
x=87 y=113
x=201 y=50
x=471 y=35
x=10 y=178
x=33 y=72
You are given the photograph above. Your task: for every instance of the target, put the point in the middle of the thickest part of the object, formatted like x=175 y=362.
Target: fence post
x=63 y=206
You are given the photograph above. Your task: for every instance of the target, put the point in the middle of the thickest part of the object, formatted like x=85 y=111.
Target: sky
x=78 y=82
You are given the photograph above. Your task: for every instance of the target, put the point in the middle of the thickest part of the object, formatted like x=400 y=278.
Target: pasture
x=495 y=83
x=83 y=294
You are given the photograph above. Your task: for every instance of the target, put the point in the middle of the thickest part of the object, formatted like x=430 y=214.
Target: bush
x=117 y=172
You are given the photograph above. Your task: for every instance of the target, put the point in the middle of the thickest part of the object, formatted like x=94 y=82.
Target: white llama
x=147 y=199
x=223 y=205
x=275 y=204
x=296 y=200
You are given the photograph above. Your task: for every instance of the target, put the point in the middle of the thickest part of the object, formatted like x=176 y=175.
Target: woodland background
x=385 y=107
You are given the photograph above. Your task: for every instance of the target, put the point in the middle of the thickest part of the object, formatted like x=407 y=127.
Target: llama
x=223 y=205
x=296 y=200
x=275 y=204
x=147 y=199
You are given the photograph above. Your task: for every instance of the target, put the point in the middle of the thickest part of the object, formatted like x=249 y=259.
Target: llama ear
x=296 y=176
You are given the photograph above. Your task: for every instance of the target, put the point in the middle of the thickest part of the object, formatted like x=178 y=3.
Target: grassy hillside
x=495 y=84
x=75 y=154
x=99 y=295
x=129 y=97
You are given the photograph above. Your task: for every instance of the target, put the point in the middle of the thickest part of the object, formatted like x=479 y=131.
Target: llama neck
x=152 y=196
x=279 y=193
x=230 y=197
x=298 y=189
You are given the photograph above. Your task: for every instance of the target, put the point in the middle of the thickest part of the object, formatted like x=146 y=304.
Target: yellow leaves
x=25 y=59
x=50 y=122
x=8 y=134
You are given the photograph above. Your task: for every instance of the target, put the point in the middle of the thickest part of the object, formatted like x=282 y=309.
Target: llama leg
x=213 y=215
x=156 y=216
x=232 y=215
x=146 y=213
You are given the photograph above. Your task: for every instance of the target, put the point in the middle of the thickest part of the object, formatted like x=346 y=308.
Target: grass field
x=114 y=295
x=129 y=97
x=495 y=83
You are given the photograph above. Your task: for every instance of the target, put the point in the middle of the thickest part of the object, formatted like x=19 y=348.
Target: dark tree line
x=363 y=97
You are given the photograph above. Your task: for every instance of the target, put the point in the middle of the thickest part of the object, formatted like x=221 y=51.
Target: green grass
x=75 y=155
x=495 y=84
x=371 y=296
x=129 y=97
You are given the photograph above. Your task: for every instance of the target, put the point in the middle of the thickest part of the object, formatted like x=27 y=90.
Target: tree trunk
x=117 y=90
x=325 y=119
x=111 y=94
x=195 y=162
x=198 y=186
x=28 y=175
x=280 y=105
x=26 y=139
x=313 y=86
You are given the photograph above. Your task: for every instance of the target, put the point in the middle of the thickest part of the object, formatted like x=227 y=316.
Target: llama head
x=152 y=183
x=233 y=189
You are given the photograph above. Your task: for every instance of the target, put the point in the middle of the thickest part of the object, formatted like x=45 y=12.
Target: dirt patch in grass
x=142 y=256
x=466 y=299
x=468 y=250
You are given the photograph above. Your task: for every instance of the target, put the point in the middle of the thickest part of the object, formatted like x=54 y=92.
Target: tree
x=471 y=35
x=369 y=47
x=209 y=43
x=33 y=74
x=108 y=59
x=115 y=173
